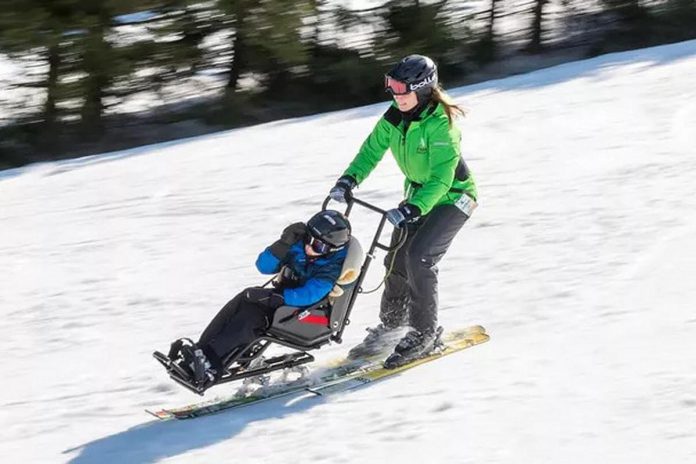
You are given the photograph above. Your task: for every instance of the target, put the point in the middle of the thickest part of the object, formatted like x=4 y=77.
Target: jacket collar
x=419 y=114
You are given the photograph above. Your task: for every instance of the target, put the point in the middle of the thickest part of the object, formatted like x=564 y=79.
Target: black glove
x=404 y=214
x=343 y=190
x=291 y=235
x=264 y=296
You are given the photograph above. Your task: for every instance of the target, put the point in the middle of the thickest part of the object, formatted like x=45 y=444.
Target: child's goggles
x=394 y=86
x=319 y=247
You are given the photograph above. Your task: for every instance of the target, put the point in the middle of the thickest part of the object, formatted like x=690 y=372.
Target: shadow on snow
x=152 y=441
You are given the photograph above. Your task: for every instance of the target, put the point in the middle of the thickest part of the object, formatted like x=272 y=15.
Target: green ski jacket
x=428 y=154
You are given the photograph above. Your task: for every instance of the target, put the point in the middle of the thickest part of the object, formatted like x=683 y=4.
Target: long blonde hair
x=451 y=108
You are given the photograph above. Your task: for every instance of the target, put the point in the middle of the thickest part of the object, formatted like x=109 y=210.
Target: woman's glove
x=343 y=190
x=291 y=235
x=402 y=215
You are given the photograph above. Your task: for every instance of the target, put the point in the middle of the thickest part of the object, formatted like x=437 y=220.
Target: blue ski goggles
x=320 y=247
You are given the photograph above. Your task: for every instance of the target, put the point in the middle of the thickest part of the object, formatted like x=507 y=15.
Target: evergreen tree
x=90 y=65
x=166 y=48
x=37 y=28
x=413 y=27
x=268 y=38
x=537 y=23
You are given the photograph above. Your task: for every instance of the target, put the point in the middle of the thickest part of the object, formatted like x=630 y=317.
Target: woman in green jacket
x=440 y=195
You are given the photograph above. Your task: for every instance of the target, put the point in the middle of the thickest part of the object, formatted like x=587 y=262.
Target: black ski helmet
x=330 y=227
x=419 y=73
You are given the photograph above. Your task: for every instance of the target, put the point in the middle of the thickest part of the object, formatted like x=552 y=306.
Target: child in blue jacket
x=313 y=256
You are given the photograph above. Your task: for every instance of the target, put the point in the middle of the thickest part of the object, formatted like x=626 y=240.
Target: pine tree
x=114 y=68
x=412 y=27
x=537 y=28
x=268 y=38
x=37 y=28
x=90 y=64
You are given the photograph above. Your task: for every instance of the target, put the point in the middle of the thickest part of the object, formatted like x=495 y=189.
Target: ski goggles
x=319 y=247
x=395 y=87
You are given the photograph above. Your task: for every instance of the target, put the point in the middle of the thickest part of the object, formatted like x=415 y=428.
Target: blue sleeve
x=267 y=263
x=308 y=294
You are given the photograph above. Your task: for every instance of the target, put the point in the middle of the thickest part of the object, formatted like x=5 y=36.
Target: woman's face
x=406 y=102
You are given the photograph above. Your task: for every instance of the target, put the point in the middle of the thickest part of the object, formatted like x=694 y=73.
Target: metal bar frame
x=369 y=256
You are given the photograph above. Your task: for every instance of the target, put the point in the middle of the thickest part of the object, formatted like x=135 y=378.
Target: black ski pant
x=238 y=323
x=411 y=290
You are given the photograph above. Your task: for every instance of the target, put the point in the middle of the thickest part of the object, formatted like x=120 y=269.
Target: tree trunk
x=316 y=9
x=50 y=112
x=535 y=44
x=491 y=20
x=239 y=60
x=96 y=64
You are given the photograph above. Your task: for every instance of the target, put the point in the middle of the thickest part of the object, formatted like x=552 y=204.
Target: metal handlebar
x=375 y=243
x=352 y=201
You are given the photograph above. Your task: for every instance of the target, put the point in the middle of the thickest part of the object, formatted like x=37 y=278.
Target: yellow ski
x=454 y=342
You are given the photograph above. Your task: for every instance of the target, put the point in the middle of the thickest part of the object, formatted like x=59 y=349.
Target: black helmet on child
x=414 y=73
x=330 y=227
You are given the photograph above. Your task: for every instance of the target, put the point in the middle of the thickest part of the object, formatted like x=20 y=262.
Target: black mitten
x=264 y=296
x=291 y=235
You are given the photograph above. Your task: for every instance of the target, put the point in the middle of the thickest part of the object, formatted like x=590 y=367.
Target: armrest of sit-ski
x=351 y=268
x=348 y=277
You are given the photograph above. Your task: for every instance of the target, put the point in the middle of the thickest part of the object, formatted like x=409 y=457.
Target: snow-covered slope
x=580 y=262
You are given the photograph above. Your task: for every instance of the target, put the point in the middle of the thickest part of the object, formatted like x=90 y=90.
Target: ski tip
x=161 y=414
x=479 y=329
x=471 y=331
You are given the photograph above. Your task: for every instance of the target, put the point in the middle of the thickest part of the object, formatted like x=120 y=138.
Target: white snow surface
x=580 y=262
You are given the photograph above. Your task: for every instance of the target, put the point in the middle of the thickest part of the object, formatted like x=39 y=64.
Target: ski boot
x=175 y=361
x=378 y=339
x=413 y=346
x=202 y=374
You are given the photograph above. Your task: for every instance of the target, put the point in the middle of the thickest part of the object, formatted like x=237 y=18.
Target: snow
x=580 y=262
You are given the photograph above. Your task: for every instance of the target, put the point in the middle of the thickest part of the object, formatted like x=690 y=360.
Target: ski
x=220 y=404
x=335 y=369
x=338 y=376
x=332 y=371
x=454 y=342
